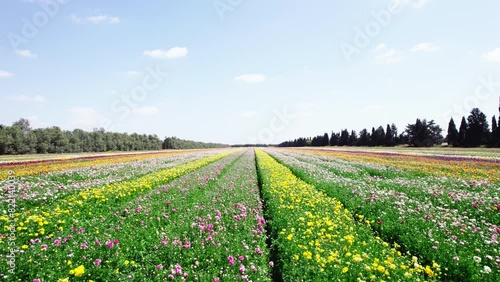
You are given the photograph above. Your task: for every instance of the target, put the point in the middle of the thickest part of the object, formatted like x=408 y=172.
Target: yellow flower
x=345 y=269
x=78 y=272
x=117 y=271
x=429 y=271
x=63 y=280
x=308 y=255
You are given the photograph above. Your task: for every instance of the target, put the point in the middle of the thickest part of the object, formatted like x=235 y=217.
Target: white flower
x=477 y=259
x=487 y=269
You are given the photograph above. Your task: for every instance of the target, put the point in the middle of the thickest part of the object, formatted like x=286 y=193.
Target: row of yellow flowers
x=447 y=166
x=318 y=239
x=44 y=220
x=36 y=168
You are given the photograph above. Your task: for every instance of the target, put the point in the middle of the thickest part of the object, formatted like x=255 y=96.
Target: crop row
x=43 y=189
x=22 y=169
x=447 y=166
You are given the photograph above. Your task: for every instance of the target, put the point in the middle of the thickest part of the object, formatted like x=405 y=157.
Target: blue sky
x=239 y=71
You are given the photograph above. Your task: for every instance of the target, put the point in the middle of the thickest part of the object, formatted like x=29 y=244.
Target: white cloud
x=27 y=99
x=83 y=118
x=380 y=47
x=5 y=74
x=176 y=52
x=388 y=57
x=26 y=54
x=251 y=78
x=248 y=114
x=95 y=19
x=425 y=47
x=493 y=55
x=146 y=110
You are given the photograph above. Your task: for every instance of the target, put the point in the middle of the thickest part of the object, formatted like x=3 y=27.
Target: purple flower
x=97 y=262
x=230 y=259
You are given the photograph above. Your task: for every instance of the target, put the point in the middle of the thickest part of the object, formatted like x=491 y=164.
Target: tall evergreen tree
x=495 y=133
x=389 y=137
x=477 y=133
x=364 y=138
x=353 y=138
x=452 y=136
x=462 y=132
x=344 y=138
x=326 y=140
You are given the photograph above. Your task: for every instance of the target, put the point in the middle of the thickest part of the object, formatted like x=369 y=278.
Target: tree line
x=176 y=143
x=20 y=138
x=474 y=132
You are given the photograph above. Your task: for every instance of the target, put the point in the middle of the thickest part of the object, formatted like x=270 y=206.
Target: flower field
x=451 y=221
x=249 y=215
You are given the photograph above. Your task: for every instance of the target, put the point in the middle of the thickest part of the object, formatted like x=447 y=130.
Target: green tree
x=462 y=132
x=452 y=136
x=364 y=138
x=344 y=138
x=424 y=134
x=477 y=133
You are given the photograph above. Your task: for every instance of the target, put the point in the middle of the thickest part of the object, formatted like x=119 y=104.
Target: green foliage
x=176 y=143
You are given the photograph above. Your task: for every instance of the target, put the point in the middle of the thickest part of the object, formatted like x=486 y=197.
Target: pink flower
x=57 y=242
x=171 y=277
x=230 y=259
x=216 y=279
x=44 y=246
x=116 y=241
x=159 y=267
x=455 y=258
x=242 y=269
x=271 y=264
x=178 y=269
x=241 y=258
x=37 y=280
x=84 y=246
x=380 y=222
x=109 y=244
x=97 y=262
x=97 y=242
